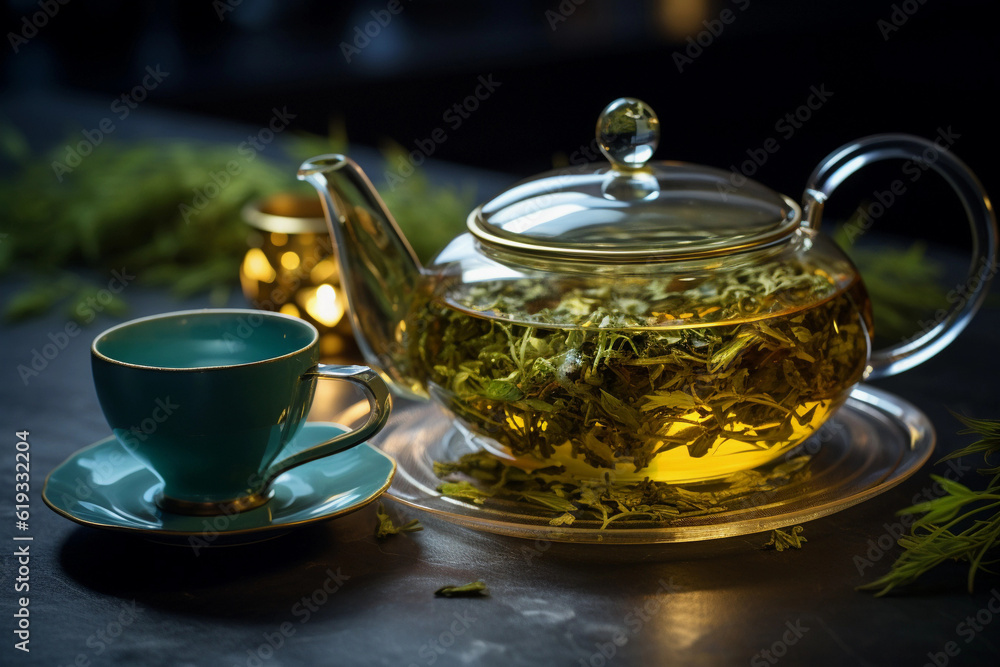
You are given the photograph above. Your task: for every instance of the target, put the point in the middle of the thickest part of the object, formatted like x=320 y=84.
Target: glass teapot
x=654 y=319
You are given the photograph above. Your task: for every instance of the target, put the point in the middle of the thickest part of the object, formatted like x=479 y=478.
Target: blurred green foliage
x=903 y=282
x=155 y=209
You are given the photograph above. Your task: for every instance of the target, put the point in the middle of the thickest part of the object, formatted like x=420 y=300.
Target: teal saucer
x=103 y=486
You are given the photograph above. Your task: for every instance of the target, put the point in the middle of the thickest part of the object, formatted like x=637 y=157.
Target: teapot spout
x=379 y=271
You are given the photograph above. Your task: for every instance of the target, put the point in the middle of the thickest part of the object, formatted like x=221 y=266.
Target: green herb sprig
x=961 y=525
x=781 y=540
x=385 y=526
x=471 y=590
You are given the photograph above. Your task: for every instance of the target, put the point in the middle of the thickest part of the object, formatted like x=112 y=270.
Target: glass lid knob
x=628 y=132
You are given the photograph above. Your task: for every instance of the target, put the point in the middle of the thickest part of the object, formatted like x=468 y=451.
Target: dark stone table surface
x=724 y=601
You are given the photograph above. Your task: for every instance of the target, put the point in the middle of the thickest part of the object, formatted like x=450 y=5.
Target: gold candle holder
x=291 y=267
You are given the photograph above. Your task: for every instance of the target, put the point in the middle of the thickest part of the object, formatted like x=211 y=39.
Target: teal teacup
x=208 y=399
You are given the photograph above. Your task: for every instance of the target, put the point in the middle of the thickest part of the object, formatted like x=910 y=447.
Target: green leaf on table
x=385 y=526
x=470 y=590
x=463 y=491
x=781 y=540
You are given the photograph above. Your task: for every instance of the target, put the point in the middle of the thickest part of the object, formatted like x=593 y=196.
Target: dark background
x=558 y=64
x=938 y=70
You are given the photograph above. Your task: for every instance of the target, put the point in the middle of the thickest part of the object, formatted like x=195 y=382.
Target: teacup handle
x=841 y=163
x=378 y=403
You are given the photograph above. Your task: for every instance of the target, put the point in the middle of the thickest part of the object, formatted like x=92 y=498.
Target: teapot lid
x=634 y=210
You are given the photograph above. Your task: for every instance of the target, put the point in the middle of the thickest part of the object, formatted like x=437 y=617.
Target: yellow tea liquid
x=676 y=403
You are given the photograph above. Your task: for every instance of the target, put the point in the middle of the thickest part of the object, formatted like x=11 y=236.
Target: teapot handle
x=841 y=163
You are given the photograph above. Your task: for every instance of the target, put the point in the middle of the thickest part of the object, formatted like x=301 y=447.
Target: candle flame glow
x=324 y=305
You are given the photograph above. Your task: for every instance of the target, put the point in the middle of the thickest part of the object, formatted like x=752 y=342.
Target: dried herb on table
x=615 y=373
x=385 y=526
x=962 y=525
x=470 y=590
x=781 y=540
x=481 y=478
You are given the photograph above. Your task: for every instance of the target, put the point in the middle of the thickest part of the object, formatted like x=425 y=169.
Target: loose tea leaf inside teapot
x=643 y=377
